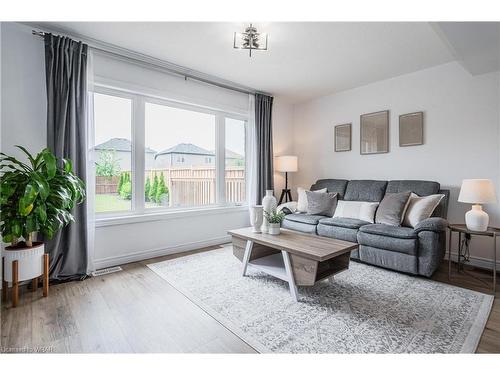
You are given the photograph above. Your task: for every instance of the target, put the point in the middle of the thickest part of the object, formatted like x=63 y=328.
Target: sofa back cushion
x=365 y=190
x=422 y=188
x=332 y=185
x=419 y=187
x=356 y=210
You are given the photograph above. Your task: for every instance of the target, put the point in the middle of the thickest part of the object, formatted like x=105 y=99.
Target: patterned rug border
x=470 y=344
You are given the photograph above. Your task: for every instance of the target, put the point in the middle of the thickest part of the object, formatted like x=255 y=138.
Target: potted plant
x=274 y=219
x=35 y=197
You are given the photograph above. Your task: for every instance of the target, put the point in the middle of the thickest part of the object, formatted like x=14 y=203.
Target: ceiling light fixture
x=250 y=40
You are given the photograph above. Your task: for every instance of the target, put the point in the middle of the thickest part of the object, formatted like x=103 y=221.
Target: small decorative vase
x=274 y=228
x=256 y=217
x=269 y=204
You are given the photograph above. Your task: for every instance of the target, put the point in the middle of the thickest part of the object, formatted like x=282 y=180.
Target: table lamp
x=477 y=192
x=286 y=163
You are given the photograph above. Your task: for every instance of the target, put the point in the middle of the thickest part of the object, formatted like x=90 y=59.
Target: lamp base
x=476 y=219
x=287 y=194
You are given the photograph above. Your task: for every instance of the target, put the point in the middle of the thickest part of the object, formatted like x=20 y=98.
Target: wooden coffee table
x=297 y=258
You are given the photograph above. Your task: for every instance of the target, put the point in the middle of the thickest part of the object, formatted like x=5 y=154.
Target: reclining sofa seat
x=416 y=250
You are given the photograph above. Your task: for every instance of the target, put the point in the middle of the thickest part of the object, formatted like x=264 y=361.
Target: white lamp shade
x=287 y=163
x=477 y=191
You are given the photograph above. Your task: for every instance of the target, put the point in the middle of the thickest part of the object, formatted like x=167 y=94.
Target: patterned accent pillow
x=420 y=208
x=302 y=198
x=357 y=210
x=321 y=203
x=391 y=210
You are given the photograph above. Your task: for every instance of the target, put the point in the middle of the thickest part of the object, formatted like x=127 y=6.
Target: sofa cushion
x=356 y=210
x=389 y=237
x=299 y=227
x=344 y=222
x=332 y=185
x=389 y=230
x=392 y=209
x=421 y=208
x=321 y=203
x=302 y=198
x=415 y=186
x=304 y=218
x=365 y=190
x=340 y=233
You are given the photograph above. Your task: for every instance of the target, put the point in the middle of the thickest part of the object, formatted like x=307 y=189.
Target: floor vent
x=105 y=271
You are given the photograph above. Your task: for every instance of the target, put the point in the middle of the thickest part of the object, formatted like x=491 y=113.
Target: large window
x=154 y=155
x=113 y=153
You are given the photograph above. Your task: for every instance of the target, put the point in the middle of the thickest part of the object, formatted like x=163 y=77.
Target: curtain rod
x=160 y=65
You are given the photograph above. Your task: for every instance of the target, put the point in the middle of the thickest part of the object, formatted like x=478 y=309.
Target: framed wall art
x=411 y=129
x=374 y=133
x=343 y=136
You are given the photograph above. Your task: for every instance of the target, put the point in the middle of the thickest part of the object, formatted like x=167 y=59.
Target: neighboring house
x=122 y=148
x=188 y=154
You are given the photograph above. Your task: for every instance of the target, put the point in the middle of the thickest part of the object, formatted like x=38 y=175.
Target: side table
x=462 y=229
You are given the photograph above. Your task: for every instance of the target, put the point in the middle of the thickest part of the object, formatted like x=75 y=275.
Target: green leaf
x=43 y=185
x=41 y=213
x=26 y=201
x=67 y=165
x=30 y=158
x=50 y=163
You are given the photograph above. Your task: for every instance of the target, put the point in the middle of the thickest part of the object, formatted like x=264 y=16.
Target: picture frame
x=411 y=129
x=374 y=133
x=343 y=137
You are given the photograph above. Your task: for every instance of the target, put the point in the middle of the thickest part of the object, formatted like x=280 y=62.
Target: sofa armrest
x=287 y=208
x=433 y=224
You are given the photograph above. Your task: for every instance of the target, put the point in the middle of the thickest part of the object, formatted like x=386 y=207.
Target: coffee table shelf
x=272 y=265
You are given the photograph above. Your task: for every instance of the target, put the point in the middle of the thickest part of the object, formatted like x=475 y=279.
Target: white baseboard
x=153 y=253
x=479 y=262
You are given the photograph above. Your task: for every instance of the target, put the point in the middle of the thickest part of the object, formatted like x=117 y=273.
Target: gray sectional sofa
x=417 y=250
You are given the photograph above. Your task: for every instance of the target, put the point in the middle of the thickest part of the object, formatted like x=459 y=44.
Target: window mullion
x=220 y=157
x=138 y=149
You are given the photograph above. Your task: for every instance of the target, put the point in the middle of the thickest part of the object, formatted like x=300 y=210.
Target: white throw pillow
x=420 y=208
x=356 y=210
x=302 y=198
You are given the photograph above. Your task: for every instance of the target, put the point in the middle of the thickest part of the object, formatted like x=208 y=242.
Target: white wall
x=461 y=131
x=22 y=90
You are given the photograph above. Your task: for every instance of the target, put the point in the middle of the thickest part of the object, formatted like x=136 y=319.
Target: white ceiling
x=304 y=60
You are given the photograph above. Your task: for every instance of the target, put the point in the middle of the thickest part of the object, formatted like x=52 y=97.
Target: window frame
x=138 y=129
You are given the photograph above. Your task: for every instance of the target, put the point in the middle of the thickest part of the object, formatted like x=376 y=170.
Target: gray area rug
x=362 y=310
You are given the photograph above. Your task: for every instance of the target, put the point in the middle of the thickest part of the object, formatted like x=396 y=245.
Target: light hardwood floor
x=137 y=311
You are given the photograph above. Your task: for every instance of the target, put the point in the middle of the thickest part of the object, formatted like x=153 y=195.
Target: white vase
x=269 y=204
x=256 y=217
x=30 y=261
x=274 y=228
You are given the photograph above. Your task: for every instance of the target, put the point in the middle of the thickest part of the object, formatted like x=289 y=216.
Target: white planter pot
x=274 y=229
x=30 y=261
x=269 y=204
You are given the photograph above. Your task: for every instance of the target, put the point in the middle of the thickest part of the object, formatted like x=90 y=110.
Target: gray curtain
x=66 y=80
x=264 y=141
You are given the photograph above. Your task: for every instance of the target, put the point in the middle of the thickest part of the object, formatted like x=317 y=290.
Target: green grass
x=112 y=202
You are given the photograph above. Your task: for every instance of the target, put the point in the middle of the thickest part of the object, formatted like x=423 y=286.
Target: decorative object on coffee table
x=462 y=229
x=411 y=129
x=286 y=163
x=37 y=197
x=269 y=204
x=374 y=133
x=256 y=217
x=477 y=191
x=343 y=137
x=297 y=258
x=274 y=219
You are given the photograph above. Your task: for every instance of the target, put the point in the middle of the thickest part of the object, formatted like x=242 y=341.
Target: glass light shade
x=287 y=163
x=478 y=191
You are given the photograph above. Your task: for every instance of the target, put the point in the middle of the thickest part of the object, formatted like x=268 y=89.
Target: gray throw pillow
x=321 y=203
x=392 y=208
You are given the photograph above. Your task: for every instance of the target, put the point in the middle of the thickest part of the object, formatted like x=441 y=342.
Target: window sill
x=166 y=215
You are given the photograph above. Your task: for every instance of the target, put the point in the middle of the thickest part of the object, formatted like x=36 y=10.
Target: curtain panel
x=66 y=81
x=264 y=143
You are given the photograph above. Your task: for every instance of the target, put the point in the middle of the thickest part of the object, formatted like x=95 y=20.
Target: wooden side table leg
x=45 y=275
x=34 y=284
x=15 y=283
x=4 y=283
x=494 y=264
x=449 y=255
